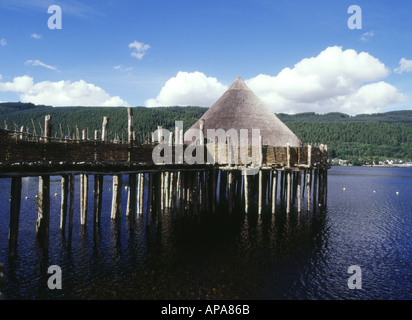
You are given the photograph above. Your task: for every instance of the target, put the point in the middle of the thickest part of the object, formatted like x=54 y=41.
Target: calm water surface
x=224 y=256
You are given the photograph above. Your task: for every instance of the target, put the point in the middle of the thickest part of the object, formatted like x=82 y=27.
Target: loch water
x=298 y=256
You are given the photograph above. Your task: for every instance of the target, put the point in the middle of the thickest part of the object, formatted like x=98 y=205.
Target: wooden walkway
x=291 y=175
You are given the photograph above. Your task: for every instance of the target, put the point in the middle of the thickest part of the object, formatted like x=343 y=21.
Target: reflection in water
x=186 y=255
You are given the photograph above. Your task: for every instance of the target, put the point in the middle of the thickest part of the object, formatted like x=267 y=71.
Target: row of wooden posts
x=155 y=193
x=175 y=187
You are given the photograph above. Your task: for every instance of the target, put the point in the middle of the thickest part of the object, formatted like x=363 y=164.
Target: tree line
x=359 y=139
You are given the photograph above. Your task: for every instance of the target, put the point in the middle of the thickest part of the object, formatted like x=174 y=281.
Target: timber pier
x=294 y=178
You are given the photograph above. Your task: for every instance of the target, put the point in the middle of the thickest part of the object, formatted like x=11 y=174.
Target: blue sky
x=295 y=55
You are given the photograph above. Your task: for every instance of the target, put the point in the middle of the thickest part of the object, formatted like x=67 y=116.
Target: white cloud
x=365 y=37
x=60 y=93
x=3 y=42
x=188 y=89
x=404 y=66
x=36 y=36
x=38 y=63
x=335 y=80
x=122 y=68
x=139 y=49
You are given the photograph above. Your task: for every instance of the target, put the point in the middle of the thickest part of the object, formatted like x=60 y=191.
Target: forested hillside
x=360 y=138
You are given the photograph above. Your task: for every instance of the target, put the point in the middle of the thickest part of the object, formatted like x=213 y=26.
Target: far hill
x=360 y=138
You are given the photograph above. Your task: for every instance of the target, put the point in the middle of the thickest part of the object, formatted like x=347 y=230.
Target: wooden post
x=166 y=189
x=84 y=190
x=138 y=194
x=288 y=155
x=288 y=192
x=149 y=195
x=43 y=219
x=326 y=177
x=246 y=190
x=131 y=196
x=310 y=156
x=23 y=133
x=160 y=137
x=308 y=187
x=98 y=191
x=85 y=134
x=299 y=189
x=47 y=128
x=104 y=128
x=71 y=203
x=260 y=192
x=15 y=203
x=96 y=135
x=141 y=192
x=162 y=190
x=64 y=205
x=171 y=188
x=231 y=187
x=201 y=132
x=117 y=197
x=274 y=189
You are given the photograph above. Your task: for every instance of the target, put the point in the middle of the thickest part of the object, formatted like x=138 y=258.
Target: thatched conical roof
x=239 y=108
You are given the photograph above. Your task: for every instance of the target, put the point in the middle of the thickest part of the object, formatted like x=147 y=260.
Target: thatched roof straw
x=239 y=108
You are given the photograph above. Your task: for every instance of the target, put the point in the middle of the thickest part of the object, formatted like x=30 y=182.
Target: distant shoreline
x=376 y=165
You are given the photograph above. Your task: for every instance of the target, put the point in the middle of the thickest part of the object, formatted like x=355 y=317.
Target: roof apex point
x=239 y=84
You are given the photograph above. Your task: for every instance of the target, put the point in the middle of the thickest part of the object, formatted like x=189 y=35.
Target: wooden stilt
x=260 y=192
x=288 y=177
x=246 y=190
x=84 y=189
x=282 y=186
x=117 y=197
x=274 y=189
x=179 y=188
x=15 y=203
x=98 y=192
x=149 y=196
x=138 y=194
x=231 y=187
x=299 y=187
x=166 y=189
x=308 y=187
x=104 y=128
x=71 y=203
x=43 y=219
x=141 y=193
x=162 y=190
x=64 y=204
x=47 y=128
x=171 y=189
x=131 y=196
